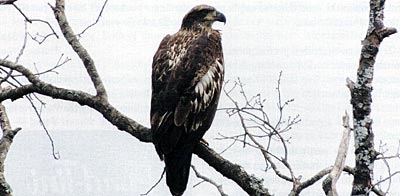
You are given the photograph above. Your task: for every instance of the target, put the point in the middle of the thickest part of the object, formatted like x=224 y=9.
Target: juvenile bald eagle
x=188 y=71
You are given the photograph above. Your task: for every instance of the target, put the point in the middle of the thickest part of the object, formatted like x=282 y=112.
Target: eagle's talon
x=203 y=141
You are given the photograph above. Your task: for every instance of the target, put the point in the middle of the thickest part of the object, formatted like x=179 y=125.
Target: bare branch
x=312 y=180
x=329 y=184
x=301 y=186
x=206 y=179
x=21 y=52
x=56 y=155
x=5 y=143
x=252 y=112
x=61 y=61
x=249 y=183
x=5 y=2
x=37 y=20
x=383 y=180
x=102 y=106
x=155 y=185
x=59 y=12
x=97 y=20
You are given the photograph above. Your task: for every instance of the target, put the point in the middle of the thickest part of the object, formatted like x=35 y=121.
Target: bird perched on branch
x=187 y=75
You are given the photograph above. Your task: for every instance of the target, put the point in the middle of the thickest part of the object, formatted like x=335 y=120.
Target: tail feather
x=177 y=164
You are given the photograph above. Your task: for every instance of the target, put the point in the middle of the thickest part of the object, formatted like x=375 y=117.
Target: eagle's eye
x=205 y=12
x=202 y=15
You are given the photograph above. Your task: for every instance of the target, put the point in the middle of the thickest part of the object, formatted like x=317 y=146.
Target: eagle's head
x=202 y=16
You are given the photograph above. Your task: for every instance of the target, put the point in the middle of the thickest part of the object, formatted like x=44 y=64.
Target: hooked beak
x=220 y=17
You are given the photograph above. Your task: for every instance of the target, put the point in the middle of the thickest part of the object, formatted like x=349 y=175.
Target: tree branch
x=249 y=183
x=154 y=185
x=303 y=185
x=83 y=98
x=361 y=99
x=59 y=13
x=95 y=22
x=206 y=179
x=5 y=2
x=5 y=143
x=27 y=19
x=329 y=184
x=232 y=171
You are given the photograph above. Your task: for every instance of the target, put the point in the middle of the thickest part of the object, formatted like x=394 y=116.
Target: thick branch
x=232 y=171
x=329 y=184
x=59 y=12
x=5 y=143
x=5 y=2
x=101 y=105
x=249 y=183
x=361 y=99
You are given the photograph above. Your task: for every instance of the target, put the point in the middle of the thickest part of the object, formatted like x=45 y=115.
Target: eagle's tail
x=177 y=165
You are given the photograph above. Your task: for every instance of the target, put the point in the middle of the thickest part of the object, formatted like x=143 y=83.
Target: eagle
x=187 y=75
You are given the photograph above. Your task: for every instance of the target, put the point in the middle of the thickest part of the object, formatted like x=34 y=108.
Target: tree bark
x=5 y=144
x=361 y=100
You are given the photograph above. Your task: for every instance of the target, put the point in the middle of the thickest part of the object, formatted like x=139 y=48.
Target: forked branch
x=5 y=144
x=88 y=62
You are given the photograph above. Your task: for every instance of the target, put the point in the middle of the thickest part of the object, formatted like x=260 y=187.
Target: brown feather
x=187 y=76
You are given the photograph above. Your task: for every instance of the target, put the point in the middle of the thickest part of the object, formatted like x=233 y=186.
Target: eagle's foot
x=203 y=141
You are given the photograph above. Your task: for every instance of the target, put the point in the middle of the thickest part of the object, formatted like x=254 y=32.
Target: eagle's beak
x=220 y=17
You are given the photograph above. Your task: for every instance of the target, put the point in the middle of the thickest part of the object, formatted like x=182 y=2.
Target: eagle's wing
x=187 y=78
x=206 y=61
x=161 y=71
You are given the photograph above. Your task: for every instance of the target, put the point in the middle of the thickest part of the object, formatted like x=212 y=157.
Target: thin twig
x=21 y=52
x=385 y=179
x=37 y=20
x=97 y=20
x=155 y=185
x=253 y=113
x=56 y=155
x=52 y=69
x=206 y=179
